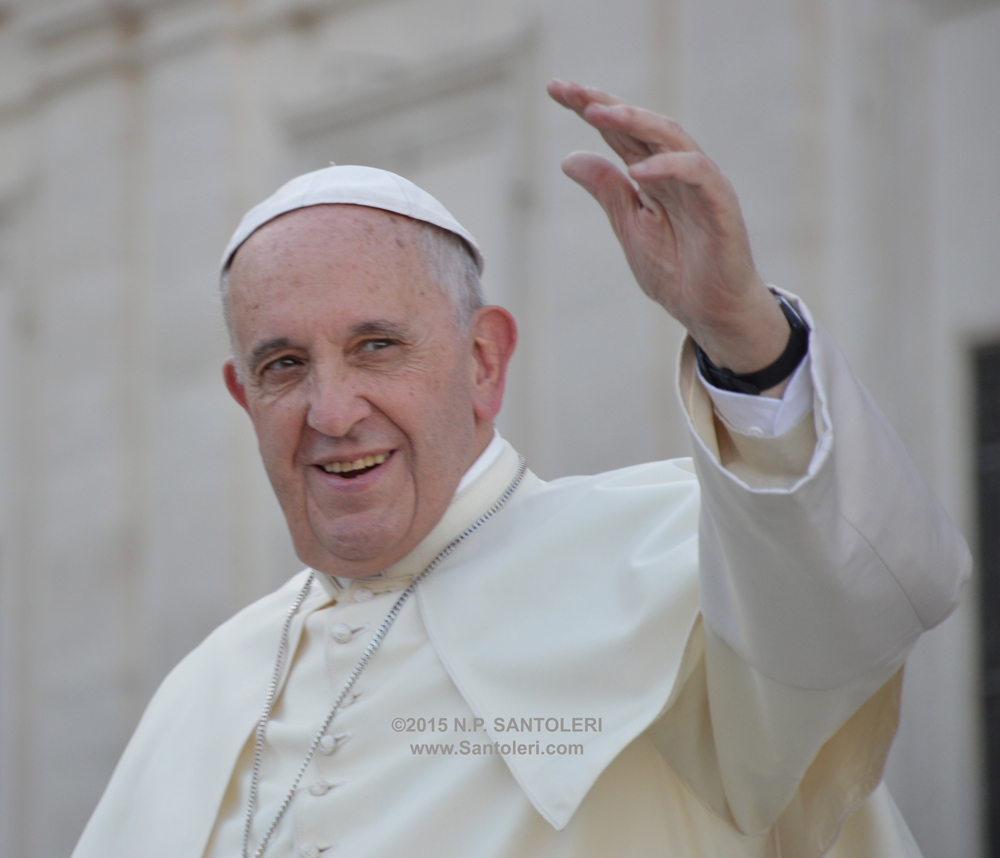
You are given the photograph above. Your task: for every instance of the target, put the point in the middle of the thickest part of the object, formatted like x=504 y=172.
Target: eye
x=282 y=363
x=376 y=345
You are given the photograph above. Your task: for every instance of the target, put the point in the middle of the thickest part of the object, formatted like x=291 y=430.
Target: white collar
x=479 y=467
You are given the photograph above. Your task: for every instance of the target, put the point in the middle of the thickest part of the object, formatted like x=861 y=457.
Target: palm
x=680 y=223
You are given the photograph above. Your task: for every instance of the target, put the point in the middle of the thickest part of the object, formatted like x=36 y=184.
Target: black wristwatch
x=763 y=379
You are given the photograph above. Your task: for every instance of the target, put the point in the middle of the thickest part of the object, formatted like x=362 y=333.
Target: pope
x=683 y=658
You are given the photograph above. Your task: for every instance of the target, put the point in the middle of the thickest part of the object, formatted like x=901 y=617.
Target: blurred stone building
x=862 y=135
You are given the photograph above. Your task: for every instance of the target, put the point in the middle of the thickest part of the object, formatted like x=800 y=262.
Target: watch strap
x=753 y=383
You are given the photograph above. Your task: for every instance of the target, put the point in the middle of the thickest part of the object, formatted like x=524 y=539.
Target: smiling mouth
x=355 y=467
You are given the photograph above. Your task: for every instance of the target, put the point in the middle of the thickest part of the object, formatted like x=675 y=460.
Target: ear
x=493 y=334
x=233 y=383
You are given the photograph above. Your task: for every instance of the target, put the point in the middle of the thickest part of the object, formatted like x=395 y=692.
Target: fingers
x=576 y=97
x=606 y=183
x=660 y=179
x=633 y=133
x=579 y=98
x=659 y=176
x=657 y=133
x=688 y=168
x=598 y=176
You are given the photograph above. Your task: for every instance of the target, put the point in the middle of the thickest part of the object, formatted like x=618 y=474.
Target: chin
x=352 y=554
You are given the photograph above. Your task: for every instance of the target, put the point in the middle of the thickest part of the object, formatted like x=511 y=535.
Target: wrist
x=748 y=338
x=771 y=378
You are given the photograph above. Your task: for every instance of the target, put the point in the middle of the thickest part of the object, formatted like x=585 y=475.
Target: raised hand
x=679 y=222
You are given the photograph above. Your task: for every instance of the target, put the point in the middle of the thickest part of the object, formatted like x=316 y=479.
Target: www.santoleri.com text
x=465 y=748
x=499 y=725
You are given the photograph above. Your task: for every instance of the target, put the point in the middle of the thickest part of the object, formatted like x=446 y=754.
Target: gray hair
x=452 y=265
x=450 y=262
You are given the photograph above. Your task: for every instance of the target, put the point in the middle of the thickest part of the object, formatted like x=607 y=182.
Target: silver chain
x=373 y=645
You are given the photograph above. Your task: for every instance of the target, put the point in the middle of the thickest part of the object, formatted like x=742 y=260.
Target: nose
x=336 y=402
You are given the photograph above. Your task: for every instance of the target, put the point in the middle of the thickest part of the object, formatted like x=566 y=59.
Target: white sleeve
x=834 y=564
x=822 y=557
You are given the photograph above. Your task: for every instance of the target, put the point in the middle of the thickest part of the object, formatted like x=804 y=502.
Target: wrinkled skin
x=344 y=348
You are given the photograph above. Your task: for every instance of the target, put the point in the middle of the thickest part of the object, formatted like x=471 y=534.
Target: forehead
x=321 y=237
x=332 y=258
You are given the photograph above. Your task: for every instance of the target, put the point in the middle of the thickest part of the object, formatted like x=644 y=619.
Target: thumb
x=606 y=184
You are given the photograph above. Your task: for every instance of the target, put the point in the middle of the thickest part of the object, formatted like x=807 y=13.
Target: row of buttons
x=328 y=744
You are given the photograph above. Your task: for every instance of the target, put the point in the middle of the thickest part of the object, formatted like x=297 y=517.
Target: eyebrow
x=261 y=349
x=379 y=326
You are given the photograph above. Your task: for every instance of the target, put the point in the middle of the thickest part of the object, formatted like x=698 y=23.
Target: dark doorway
x=987 y=374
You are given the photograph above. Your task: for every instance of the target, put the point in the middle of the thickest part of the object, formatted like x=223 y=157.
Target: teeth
x=356 y=465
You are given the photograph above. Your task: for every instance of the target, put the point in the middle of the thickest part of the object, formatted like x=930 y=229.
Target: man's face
x=364 y=393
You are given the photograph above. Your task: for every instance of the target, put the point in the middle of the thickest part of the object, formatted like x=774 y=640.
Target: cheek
x=447 y=413
x=278 y=427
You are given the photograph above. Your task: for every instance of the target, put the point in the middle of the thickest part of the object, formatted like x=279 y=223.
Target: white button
x=328 y=744
x=309 y=850
x=342 y=633
x=320 y=788
x=363 y=594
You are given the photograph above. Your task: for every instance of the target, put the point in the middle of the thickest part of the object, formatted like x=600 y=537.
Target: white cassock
x=661 y=665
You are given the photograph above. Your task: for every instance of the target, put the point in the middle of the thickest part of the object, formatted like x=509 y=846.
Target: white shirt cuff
x=764 y=416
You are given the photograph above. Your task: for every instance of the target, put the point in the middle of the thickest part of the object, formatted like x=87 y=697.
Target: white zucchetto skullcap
x=361 y=186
